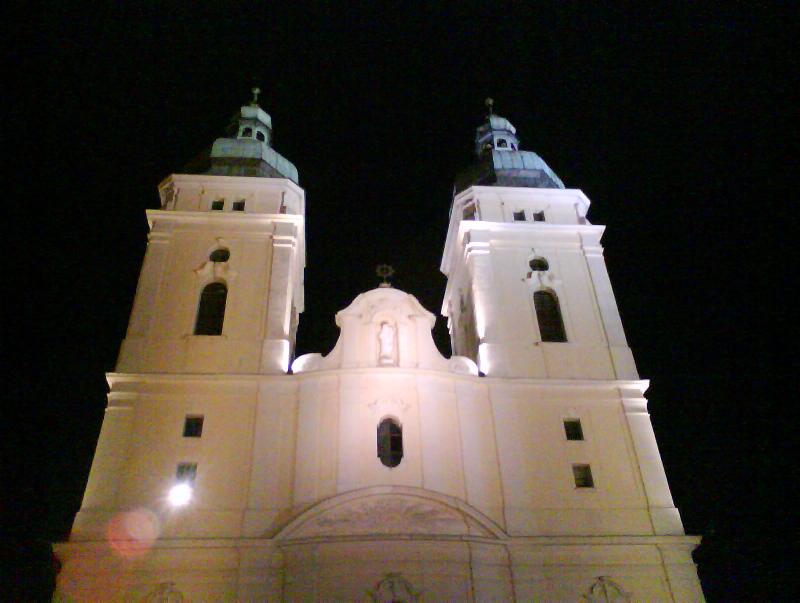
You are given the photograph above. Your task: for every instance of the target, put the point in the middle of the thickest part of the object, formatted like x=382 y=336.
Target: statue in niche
x=386 y=337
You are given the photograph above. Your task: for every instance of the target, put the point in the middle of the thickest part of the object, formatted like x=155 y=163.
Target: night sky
x=675 y=122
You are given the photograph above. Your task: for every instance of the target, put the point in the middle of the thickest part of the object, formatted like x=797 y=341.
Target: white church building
x=522 y=468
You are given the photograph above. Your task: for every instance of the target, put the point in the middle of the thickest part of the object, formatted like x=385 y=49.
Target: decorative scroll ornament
x=164 y=593
x=390 y=405
x=605 y=590
x=394 y=589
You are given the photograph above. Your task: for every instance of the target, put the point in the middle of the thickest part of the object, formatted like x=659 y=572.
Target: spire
x=250 y=152
x=500 y=160
x=496 y=133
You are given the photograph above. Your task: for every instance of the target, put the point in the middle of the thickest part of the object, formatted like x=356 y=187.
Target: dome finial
x=256 y=91
x=489 y=105
x=385 y=271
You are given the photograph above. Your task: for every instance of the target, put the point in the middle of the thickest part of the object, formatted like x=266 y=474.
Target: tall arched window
x=548 y=314
x=390 y=442
x=211 y=311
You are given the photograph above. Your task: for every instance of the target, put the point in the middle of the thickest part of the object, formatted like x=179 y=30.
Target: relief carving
x=605 y=590
x=394 y=589
x=390 y=515
x=388 y=405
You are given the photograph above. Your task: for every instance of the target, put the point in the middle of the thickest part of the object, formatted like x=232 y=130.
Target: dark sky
x=676 y=122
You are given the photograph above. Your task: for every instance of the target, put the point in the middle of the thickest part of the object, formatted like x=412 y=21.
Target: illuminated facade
x=522 y=468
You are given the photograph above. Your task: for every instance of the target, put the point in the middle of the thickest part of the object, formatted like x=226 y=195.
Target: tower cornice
x=220 y=218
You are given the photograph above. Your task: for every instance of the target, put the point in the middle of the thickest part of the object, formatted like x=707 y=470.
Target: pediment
x=387 y=513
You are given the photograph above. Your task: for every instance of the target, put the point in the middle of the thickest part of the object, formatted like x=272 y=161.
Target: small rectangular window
x=238 y=205
x=583 y=476
x=193 y=426
x=469 y=212
x=218 y=205
x=186 y=472
x=573 y=429
x=519 y=216
x=538 y=216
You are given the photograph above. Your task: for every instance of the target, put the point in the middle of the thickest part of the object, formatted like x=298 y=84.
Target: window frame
x=549 y=317
x=570 y=432
x=216 y=255
x=186 y=472
x=539 y=264
x=582 y=476
x=192 y=420
x=390 y=449
x=211 y=326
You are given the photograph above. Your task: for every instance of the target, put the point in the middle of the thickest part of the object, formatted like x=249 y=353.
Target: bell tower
x=221 y=286
x=528 y=293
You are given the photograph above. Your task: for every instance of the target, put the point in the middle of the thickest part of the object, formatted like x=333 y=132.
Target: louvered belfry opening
x=548 y=314
x=211 y=310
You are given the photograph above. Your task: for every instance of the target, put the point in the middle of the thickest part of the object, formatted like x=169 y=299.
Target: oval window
x=390 y=442
x=539 y=264
x=220 y=255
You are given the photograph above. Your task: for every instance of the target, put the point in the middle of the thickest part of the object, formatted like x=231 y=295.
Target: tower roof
x=250 y=153
x=501 y=162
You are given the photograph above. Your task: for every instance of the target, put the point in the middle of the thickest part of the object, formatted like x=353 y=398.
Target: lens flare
x=132 y=533
x=180 y=495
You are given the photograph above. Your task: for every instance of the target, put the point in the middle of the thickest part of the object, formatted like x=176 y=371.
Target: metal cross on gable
x=385 y=271
x=256 y=91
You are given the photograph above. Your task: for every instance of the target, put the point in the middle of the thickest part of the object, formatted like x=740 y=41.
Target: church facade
x=522 y=468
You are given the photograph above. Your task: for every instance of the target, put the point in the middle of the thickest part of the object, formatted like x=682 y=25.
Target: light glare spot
x=180 y=495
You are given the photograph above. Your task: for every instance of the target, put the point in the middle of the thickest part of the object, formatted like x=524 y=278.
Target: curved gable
x=390 y=510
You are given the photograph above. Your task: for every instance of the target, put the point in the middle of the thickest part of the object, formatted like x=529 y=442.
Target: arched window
x=260 y=136
x=548 y=314
x=211 y=311
x=539 y=264
x=390 y=442
x=219 y=255
x=247 y=132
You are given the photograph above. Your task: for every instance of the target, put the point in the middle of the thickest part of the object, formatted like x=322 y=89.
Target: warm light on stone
x=535 y=478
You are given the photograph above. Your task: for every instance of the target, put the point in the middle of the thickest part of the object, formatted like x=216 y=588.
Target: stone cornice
x=219 y=543
x=640 y=385
x=207 y=217
x=236 y=182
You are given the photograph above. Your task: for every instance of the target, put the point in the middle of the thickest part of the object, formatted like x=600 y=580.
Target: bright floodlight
x=180 y=495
